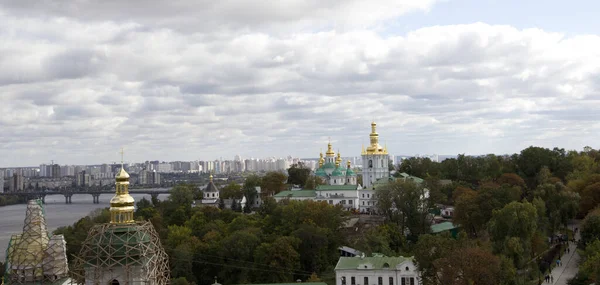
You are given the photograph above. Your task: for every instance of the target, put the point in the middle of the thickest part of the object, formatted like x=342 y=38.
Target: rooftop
x=445 y=226
x=296 y=193
x=336 y=187
x=378 y=262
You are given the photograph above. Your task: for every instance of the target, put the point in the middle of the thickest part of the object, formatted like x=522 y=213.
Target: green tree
x=471 y=265
x=232 y=191
x=406 y=204
x=180 y=281
x=512 y=229
x=278 y=260
x=590 y=227
x=430 y=248
x=298 y=174
x=312 y=182
x=273 y=182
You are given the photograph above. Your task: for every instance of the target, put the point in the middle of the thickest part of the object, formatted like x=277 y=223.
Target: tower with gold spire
x=375 y=160
x=122 y=205
x=123 y=251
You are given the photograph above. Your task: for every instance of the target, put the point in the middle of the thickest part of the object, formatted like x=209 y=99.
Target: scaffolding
x=34 y=256
x=122 y=254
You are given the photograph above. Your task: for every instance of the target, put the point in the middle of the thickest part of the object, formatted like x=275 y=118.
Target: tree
x=249 y=189
x=279 y=259
x=467 y=212
x=512 y=229
x=182 y=195
x=180 y=281
x=430 y=248
x=590 y=227
x=470 y=265
x=314 y=278
x=273 y=182
x=234 y=205
x=232 y=191
x=221 y=203
x=590 y=265
x=312 y=182
x=298 y=174
x=406 y=204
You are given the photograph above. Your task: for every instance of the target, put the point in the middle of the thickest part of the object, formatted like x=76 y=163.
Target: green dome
x=350 y=172
x=328 y=165
x=337 y=172
x=320 y=172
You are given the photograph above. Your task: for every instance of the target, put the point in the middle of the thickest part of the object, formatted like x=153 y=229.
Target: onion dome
x=122 y=204
x=328 y=165
x=349 y=171
x=320 y=172
x=337 y=172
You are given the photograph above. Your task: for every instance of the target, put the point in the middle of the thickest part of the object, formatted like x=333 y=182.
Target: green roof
x=445 y=226
x=320 y=172
x=336 y=187
x=377 y=262
x=350 y=172
x=296 y=193
x=337 y=172
x=328 y=165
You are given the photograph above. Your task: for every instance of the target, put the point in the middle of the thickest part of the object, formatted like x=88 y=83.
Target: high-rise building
x=17 y=183
x=375 y=160
x=83 y=179
x=55 y=171
x=1 y=181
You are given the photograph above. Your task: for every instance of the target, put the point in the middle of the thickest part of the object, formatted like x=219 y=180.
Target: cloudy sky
x=190 y=79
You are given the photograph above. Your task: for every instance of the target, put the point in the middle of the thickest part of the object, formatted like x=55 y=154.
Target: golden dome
x=374 y=147
x=122 y=205
x=122 y=175
x=330 y=152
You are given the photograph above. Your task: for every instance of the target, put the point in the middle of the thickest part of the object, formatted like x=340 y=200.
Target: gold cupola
x=374 y=147
x=330 y=152
x=122 y=204
x=338 y=160
x=321 y=159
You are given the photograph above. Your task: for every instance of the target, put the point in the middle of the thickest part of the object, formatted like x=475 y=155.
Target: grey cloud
x=452 y=89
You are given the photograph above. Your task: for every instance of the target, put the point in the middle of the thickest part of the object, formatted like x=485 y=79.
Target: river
x=58 y=214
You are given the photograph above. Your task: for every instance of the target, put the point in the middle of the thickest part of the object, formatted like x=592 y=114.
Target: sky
x=200 y=80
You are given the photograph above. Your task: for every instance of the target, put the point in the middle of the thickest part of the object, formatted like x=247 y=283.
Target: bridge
x=154 y=192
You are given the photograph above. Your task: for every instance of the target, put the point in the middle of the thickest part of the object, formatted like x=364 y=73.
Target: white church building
x=376 y=270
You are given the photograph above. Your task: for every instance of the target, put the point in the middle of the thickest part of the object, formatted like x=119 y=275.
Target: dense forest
x=507 y=207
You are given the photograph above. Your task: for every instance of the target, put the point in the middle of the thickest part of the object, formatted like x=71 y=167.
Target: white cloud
x=77 y=88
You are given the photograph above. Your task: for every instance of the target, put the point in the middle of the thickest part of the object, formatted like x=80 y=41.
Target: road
x=562 y=274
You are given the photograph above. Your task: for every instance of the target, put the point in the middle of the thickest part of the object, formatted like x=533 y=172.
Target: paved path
x=570 y=263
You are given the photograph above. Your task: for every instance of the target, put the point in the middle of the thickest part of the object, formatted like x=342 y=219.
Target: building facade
x=376 y=270
x=375 y=160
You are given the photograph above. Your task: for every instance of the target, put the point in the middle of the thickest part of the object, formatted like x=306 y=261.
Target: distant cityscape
x=56 y=176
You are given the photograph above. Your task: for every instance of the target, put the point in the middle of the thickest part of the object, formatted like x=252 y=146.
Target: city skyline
x=185 y=81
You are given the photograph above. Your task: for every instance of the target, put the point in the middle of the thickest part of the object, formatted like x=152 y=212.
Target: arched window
x=370 y=163
x=386 y=265
x=114 y=282
x=382 y=163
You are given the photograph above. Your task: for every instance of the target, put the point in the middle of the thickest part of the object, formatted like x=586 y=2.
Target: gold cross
x=121 y=156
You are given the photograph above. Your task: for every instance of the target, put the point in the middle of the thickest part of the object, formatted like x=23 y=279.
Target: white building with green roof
x=344 y=195
x=376 y=270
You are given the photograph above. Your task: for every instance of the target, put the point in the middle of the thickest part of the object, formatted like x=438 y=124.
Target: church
x=341 y=182
x=124 y=251
x=331 y=170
